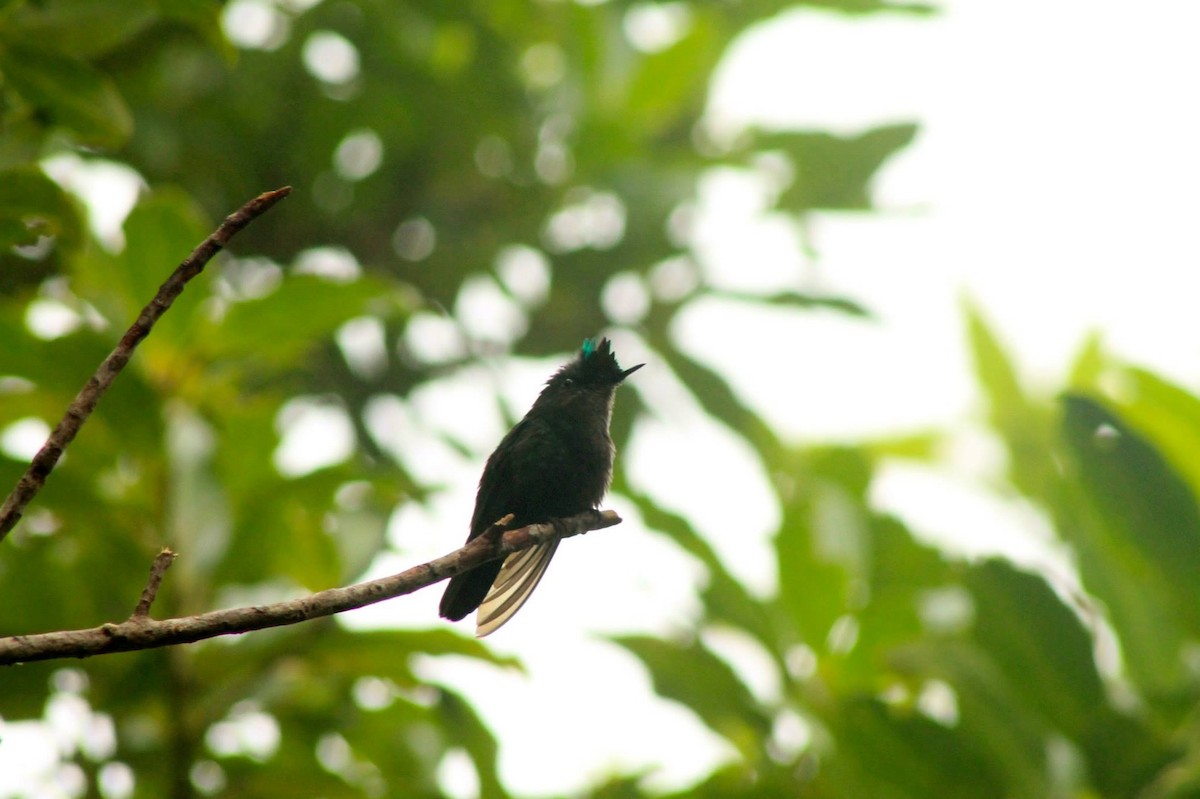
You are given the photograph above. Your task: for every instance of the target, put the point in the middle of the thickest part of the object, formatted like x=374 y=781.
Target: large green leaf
x=67 y=92
x=1138 y=536
x=1037 y=641
x=897 y=753
x=1166 y=414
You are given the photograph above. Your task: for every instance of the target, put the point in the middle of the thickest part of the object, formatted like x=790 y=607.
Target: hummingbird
x=555 y=462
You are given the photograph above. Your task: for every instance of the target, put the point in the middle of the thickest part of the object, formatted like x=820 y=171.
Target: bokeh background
x=909 y=481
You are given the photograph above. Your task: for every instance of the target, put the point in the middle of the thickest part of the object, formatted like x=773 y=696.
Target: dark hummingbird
x=556 y=462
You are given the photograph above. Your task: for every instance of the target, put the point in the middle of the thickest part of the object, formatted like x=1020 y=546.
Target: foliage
x=530 y=154
x=525 y=152
x=913 y=674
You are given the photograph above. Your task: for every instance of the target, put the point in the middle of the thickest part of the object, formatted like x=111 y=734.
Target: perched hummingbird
x=556 y=462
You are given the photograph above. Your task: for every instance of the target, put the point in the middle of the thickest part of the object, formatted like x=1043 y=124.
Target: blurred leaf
x=989 y=709
x=903 y=577
x=468 y=730
x=1138 y=540
x=282 y=328
x=84 y=28
x=1167 y=415
x=820 y=549
x=884 y=752
x=691 y=675
x=995 y=373
x=386 y=653
x=1025 y=427
x=1037 y=641
x=666 y=85
x=834 y=172
x=718 y=399
x=67 y=92
x=725 y=599
x=1135 y=487
x=32 y=205
x=795 y=299
x=281 y=531
x=1089 y=365
x=160 y=232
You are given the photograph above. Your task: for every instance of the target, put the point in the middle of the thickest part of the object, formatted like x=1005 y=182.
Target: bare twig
x=85 y=402
x=142 y=632
x=161 y=563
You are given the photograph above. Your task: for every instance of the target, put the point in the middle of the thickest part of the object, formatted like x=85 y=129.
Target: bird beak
x=630 y=371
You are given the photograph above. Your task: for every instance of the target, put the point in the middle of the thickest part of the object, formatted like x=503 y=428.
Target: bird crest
x=597 y=364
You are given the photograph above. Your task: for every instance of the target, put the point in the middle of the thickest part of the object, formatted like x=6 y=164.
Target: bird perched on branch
x=556 y=462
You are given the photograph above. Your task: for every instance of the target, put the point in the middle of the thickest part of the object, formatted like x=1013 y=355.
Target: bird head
x=594 y=371
x=595 y=367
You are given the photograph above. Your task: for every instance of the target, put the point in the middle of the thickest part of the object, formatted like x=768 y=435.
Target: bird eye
x=570 y=381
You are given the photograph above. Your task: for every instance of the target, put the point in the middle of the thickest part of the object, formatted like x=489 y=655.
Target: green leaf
x=693 y=676
x=834 y=172
x=279 y=530
x=995 y=371
x=796 y=299
x=719 y=400
x=465 y=728
x=1138 y=535
x=83 y=28
x=284 y=327
x=1136 y=488
x=67 y=92
x=820 y=549
x=33 y=205
x=896 y=753
x=1026 y=427
x=725 y=599
x=1038 y=642
x=990 y=708
x=387 y=653
x=160 y=232
x=901 y=576
x=671 y=83
x=1167 y=415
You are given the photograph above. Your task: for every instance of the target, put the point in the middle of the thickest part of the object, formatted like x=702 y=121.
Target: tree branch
x=85 y=401
x=142 y=632
x=159 y=568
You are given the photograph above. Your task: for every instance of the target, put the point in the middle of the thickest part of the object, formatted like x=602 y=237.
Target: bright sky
x=1054 y=181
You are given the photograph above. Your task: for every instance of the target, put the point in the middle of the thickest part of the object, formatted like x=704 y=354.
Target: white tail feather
x=518 y=577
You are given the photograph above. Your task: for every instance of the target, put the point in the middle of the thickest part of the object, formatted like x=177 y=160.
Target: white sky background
x=1054 y=181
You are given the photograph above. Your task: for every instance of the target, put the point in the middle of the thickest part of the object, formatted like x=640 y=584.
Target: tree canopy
x=494 y=180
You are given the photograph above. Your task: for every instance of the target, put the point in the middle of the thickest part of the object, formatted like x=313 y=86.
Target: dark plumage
x=556 y=462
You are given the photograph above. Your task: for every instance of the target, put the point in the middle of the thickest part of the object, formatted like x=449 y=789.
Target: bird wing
x=514 y=474
x=521 y=573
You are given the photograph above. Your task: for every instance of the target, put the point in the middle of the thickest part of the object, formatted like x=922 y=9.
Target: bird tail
x=521 y=573
x=467 y=590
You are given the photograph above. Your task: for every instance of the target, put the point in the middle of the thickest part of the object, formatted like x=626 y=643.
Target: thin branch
x=85 y=402
x=157 y=569
x=142 y=632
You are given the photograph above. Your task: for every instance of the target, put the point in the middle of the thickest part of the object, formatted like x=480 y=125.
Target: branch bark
x=142 y=632
x=85 y=401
